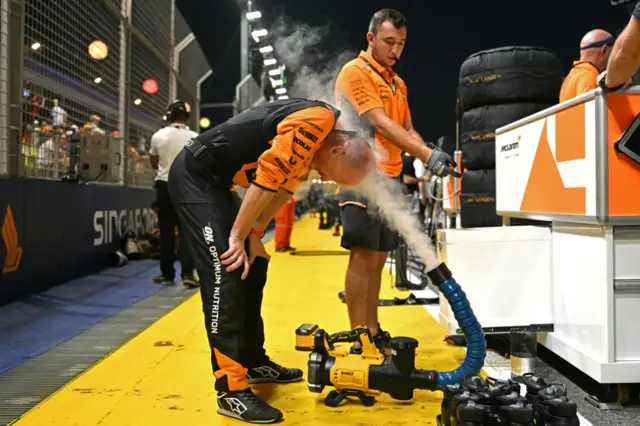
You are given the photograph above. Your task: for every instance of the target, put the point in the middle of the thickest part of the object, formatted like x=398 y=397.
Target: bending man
x=268 y=149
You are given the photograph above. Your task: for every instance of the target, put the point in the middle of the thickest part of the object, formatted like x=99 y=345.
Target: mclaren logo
x=10 y=237
x=511 y=146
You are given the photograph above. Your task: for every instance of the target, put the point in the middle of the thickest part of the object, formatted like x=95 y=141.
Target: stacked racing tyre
x=497 y=87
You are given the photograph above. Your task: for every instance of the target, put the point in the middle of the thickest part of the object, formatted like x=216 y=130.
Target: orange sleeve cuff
x=264 y=182
x=291 y=185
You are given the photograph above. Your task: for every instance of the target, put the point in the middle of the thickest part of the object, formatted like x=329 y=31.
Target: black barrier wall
x=53 y=232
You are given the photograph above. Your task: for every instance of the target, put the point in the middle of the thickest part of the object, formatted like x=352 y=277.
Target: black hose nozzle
x=439 y=274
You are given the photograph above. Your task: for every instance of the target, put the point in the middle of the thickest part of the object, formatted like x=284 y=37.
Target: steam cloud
x=297 y=45
x=389 y=198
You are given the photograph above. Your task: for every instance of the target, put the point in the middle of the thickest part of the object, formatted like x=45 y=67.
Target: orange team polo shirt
x=581 y=79
x=362 y=85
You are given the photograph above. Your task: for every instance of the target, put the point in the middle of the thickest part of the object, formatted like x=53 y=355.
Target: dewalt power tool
x=368 y=374
x=364 y=375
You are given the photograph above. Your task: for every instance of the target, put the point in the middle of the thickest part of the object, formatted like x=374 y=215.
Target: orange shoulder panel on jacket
x=299 y=137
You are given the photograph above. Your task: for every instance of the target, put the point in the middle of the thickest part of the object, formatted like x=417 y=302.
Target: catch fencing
x=107 y=67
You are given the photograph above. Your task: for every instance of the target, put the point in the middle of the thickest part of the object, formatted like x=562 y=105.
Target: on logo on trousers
x=207 y=233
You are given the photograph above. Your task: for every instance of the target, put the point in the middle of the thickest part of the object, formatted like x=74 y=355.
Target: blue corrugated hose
x=476 y=343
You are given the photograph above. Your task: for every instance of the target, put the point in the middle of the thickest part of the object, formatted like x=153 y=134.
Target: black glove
x=441 y=164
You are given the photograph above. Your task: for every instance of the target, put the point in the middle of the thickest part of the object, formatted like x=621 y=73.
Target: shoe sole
x=270 y=380
x=190 y=284
x=237 y=417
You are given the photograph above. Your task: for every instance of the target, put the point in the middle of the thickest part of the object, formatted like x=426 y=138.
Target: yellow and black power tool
x=364 y=375
x=370 y=373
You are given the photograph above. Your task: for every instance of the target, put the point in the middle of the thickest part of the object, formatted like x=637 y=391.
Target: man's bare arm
x=625 y=56
x=398 y=135
x=416 y=135
x=254 y=203
x=409 y=126
x=153 y=159
x=278 y=200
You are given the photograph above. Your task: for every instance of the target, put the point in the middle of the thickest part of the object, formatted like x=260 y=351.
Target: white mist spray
x=297 y=45
x=392 y=204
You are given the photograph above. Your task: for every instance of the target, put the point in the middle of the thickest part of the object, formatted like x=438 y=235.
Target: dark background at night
x=441 y=34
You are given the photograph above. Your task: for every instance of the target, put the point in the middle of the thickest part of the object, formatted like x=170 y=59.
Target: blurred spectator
x=53 y=153
x=166 y=144
x=134 y=155
x=414 y=177
x=329 y=209
x=595 y=49
x=37 y=102
x=58 y=114
x=285 y=219
x=313 y=197
x=336 y=228
x=409 y=174
x=268 y=91
x=29 y=148
x=93 y=126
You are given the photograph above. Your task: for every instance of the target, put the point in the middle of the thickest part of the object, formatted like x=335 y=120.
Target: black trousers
x=168 y=220
x=232 y=307
x=362 y=225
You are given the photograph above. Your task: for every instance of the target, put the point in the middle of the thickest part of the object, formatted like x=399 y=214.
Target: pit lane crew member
x=268 y=149
x=595 y=49
x=371 y=94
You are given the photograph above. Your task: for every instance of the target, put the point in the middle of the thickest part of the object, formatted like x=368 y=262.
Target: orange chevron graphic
x=10 y=237
x=545 y=190
x=571 y=134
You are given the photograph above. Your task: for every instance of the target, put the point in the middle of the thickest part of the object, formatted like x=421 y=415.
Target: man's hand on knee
x=236 y=256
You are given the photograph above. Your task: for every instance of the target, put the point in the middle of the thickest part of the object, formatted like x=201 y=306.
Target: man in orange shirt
x=595 y=49
x=373 y=97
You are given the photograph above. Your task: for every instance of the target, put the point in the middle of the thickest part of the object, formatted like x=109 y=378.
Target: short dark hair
x=380 y=17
